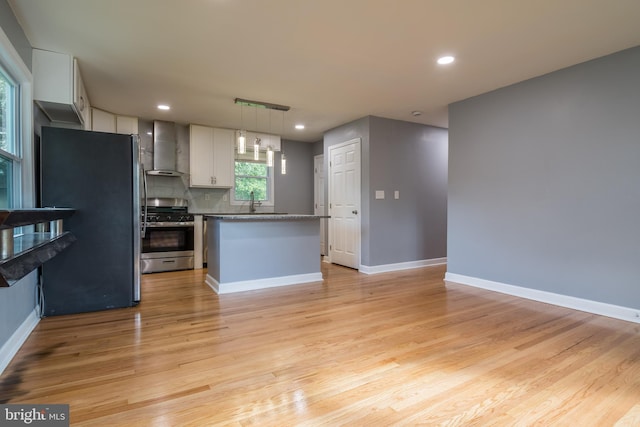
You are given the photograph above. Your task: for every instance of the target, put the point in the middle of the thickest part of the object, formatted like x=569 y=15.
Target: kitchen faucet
x=253 y=203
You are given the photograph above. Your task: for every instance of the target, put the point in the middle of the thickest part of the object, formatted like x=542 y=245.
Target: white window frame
x=23 y=186
x=270 y=179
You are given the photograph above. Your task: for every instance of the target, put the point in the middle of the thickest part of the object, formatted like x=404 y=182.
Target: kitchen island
x=257 y=251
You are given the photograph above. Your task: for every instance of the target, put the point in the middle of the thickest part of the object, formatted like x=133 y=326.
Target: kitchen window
x=17 y=186
x=251 y=175
x=9 y=155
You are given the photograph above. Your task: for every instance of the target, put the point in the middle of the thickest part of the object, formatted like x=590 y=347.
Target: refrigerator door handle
x=144 y=198
x=137 y=244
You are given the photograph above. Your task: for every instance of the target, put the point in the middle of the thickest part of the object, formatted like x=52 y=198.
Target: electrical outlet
x=207 y=196
x=396 y=194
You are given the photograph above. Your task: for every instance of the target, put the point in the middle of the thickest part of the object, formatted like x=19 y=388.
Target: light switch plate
x=379 y=194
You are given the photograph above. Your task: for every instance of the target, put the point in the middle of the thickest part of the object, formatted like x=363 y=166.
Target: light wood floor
x=358 y=350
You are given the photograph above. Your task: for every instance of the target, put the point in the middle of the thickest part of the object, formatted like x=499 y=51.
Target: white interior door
x=318 y=199
x=344 y=203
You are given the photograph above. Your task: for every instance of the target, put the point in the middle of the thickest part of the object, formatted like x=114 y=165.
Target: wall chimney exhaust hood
x=165 y=149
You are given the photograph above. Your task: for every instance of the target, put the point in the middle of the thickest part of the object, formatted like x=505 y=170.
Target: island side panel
x=213 y=248
x=252 y=250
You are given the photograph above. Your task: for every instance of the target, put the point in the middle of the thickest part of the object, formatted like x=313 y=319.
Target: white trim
x=252 y=285
x=375 y=269
x=13 y=344
x=615 y=311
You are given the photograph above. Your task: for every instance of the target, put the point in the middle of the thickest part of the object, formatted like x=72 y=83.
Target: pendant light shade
x=283 y=164
x=242 y=142
x=270 y=157
x=256 y=149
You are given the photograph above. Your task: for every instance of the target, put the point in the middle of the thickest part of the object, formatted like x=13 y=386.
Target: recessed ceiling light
x=446 y=60
x=163 y=107
x=300 y=126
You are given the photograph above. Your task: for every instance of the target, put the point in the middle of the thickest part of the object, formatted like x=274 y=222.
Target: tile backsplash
x=201 y=200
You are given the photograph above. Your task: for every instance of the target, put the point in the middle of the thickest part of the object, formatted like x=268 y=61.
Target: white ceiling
x=332 y=61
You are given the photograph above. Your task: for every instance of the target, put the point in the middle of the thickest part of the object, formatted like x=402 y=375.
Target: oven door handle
x=144 y=197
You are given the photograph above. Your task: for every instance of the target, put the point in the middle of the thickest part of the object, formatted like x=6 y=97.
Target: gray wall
x=544 y=184
x=13 y=30
x=410 y=158
x=18 y=301
x=318 y=148
x=294 y=191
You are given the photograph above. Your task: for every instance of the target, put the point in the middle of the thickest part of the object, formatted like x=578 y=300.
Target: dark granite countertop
x=17 y=217
x=263 y=217
x=24 y=253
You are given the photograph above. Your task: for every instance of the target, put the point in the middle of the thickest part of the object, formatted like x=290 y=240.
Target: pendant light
x=270 y=157
x=283 y=164
x=242 y=140
x=283 y=158
x=256 y=149
x=269 y=146
x=256 y=143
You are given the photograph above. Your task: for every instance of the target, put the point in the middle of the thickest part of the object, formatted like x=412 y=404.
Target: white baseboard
x=13 y=344
x=375 y=269
x=589 y=306
x=252 y=285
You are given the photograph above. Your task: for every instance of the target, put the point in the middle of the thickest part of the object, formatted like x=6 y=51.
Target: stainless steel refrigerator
x=99 y=175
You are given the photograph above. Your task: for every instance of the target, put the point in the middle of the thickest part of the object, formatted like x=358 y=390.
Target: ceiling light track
x=260 y=104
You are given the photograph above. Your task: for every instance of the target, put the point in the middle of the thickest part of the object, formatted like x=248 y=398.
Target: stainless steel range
x=167 y=236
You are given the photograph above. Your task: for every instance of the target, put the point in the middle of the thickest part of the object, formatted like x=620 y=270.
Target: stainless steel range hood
x=165 y=149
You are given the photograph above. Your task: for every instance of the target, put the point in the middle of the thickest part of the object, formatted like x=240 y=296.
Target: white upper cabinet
x=127 y=125
x=58 y=88
x=211 y=160
x=103 y=121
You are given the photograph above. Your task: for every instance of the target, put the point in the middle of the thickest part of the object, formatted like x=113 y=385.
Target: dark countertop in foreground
x=263 y=217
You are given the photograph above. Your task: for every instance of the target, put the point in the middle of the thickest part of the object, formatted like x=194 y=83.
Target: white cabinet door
x=201 y=156
x=103 y=121
x=127 y=125
x=211 y=157
x=223 y=163
x=80 y=98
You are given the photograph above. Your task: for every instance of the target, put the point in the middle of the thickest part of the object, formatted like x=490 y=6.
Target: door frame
x=318 y=191
x=358 y=191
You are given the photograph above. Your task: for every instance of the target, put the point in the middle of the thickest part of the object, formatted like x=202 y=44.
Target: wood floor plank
x=387 y=349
